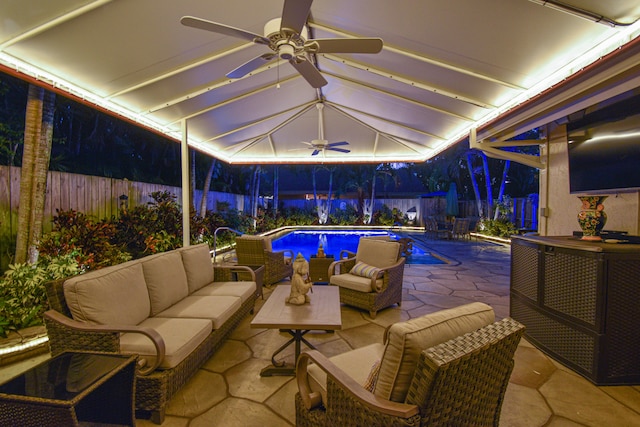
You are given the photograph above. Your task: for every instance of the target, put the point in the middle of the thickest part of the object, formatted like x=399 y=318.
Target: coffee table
x=322 y=313
x=71 y=389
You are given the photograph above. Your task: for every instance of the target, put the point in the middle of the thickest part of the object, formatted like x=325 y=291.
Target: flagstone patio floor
x=228 y=390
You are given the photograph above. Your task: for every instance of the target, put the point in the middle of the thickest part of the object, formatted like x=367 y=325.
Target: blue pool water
x=333 y=241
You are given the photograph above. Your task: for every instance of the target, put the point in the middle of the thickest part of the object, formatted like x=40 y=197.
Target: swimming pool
x=333 y=241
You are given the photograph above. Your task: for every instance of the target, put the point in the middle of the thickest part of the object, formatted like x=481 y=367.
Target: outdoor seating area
x=442 y=228
x=227 y=388
x=170 y=309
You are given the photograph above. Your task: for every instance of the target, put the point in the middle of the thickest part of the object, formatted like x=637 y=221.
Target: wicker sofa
x=173 y=310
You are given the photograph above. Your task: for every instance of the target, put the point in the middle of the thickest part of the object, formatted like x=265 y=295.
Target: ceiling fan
x=320 y=145
x=287 y=39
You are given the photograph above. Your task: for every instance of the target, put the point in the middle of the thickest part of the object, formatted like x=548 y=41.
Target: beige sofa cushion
x=197 y=265
x=356 y=283
x=218 y=309
x=181 y=337
x=243 y=290
x=166 y=280
x=355 y=363
x=378 y=253
x=115 y=295
x=406 y=340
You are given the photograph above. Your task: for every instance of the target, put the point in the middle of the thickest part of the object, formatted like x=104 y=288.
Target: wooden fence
x=93 y=195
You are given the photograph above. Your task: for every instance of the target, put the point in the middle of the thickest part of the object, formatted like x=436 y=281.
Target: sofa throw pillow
x=365 y=270
x=372 y=378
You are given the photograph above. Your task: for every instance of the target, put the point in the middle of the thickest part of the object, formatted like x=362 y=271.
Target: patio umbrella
x=452 y=200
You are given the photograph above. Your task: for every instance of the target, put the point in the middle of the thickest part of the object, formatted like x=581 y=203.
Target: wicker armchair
x=459 y=382
x=433 y=230
x=257 y=250
x=371 y=278
x=460 y=229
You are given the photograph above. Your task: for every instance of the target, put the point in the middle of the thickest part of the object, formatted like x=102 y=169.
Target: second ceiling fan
x=320 y=145
x=287 y=39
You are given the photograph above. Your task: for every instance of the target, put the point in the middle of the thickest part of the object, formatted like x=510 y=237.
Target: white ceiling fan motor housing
x=284 y=43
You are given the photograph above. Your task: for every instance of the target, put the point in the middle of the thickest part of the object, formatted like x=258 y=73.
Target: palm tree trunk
x=205 y=188
x=474 y=184
x=35 y=166
x=503 y=184
x=487 y=181
x=41 y=169
x=330 y=195
x=369 y=213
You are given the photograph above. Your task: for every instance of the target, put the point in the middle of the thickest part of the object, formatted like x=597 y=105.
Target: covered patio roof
x=489 y=68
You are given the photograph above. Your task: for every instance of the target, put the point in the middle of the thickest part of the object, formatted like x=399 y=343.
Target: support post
x=184 y=152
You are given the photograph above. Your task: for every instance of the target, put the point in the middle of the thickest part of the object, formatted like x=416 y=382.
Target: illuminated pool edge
x=397 y=231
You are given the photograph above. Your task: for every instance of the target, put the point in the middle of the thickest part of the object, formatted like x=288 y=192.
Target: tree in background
x=36 y=153
x=323 y=209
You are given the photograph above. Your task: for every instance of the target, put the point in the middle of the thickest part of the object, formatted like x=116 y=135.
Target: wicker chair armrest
x=152 y=334
x=347 y=262
x=277 y=257
x=233 y=268
x=349 y=385
x=386 y=272
x=285 y=253
x=344 y=254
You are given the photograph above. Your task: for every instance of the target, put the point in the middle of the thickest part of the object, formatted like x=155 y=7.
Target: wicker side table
x=319 y=269
x=71 y=389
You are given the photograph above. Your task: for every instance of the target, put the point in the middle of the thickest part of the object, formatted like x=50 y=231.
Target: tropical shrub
x=388 y=217
x=23 y=298
x=145 y=228
x=500 y=227
x=347 y=216
x=92 y=242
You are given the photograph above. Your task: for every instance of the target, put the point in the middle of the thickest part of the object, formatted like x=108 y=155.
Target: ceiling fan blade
x=315 y=152
x=342 y=150
x=309 y=72
x=335 y=144
x=203 y=24
x=294 y=14
x=250 y=65
x=345 y=45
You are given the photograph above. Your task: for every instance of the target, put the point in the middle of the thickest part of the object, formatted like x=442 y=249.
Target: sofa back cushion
x=166 y=280
x=377 y=253
x=198 y=266
x=406 y=340
x=112 y=295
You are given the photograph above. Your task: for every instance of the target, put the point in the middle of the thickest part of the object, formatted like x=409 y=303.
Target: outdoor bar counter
x=579 y=301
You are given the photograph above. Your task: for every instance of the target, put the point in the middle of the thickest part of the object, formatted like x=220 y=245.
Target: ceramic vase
x=592 y=217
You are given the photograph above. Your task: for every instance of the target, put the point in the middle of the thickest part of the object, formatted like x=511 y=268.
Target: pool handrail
x=215 y=237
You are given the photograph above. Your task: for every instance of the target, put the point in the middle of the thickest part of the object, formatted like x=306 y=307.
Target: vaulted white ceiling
x=447 y=67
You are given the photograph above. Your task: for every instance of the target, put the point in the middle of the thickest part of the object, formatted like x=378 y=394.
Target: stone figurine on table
x=300 y=282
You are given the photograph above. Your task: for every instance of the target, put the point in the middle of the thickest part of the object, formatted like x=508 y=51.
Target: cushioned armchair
x=371 y=278
x=448 y=368
x=257 y=250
